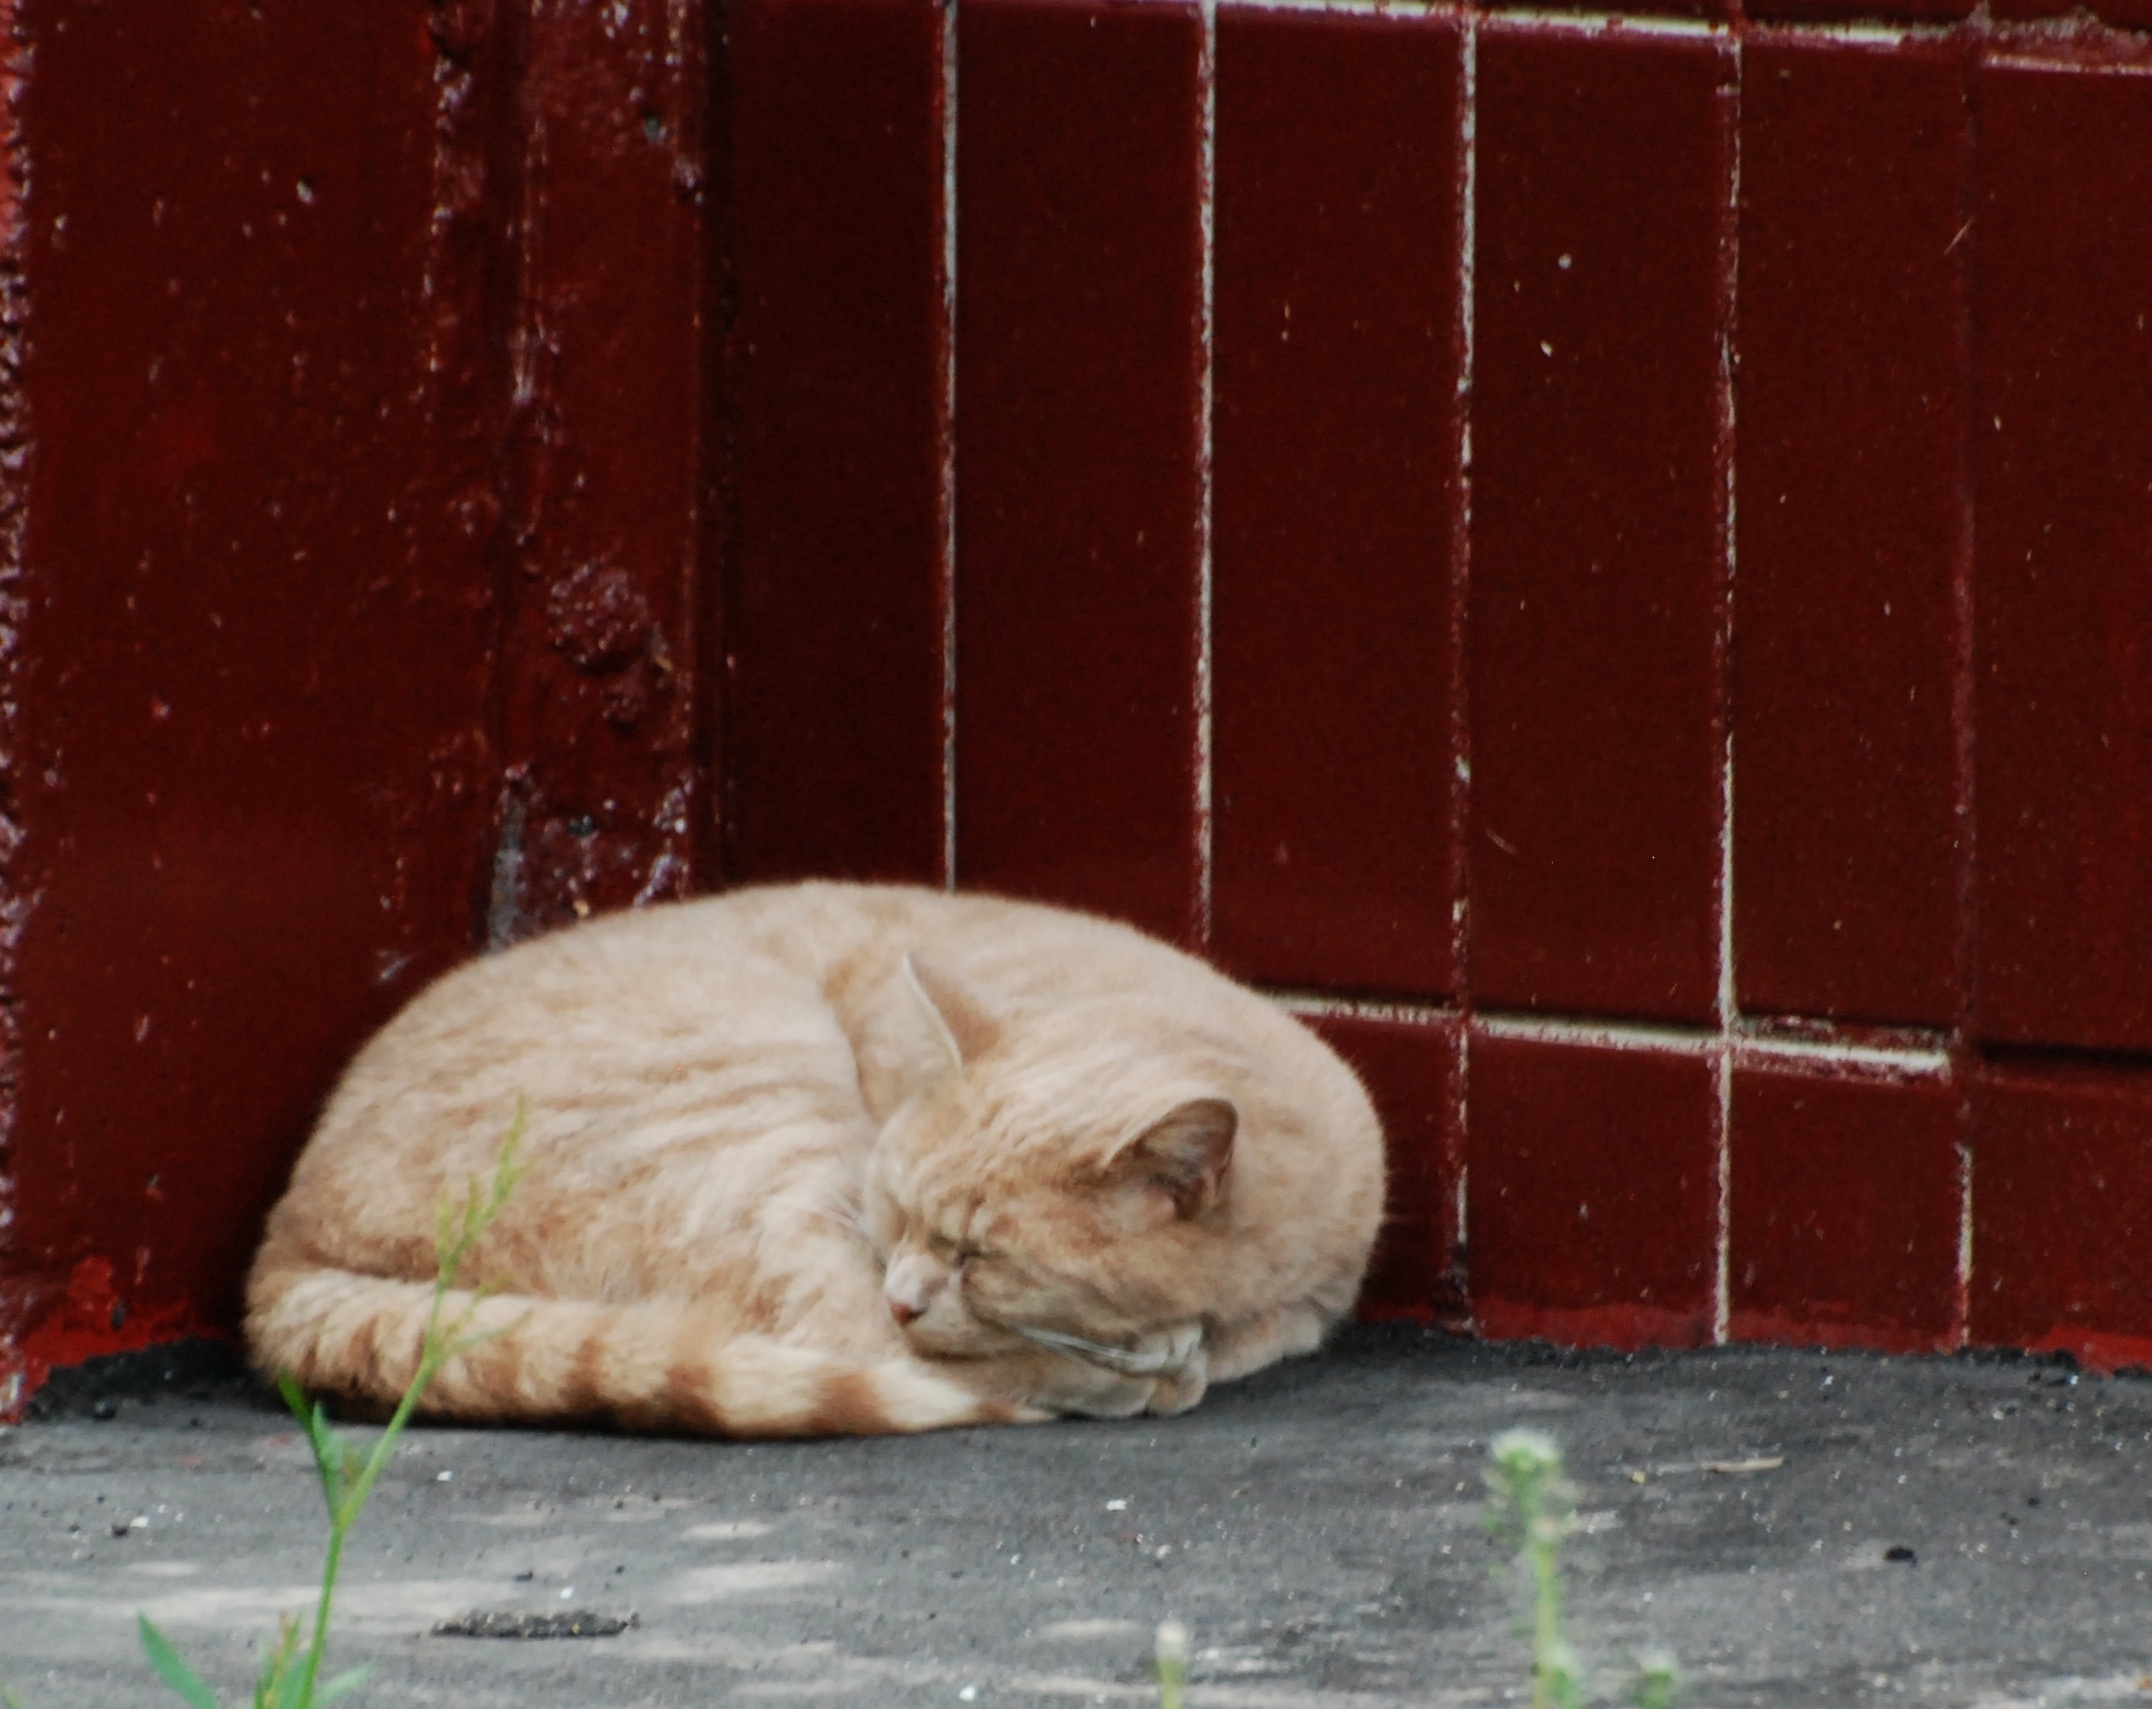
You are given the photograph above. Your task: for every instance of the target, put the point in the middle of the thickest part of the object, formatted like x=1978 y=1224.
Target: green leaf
x=342 y=1683
x=315 y=1419
x=8 y=1700
x=277 y=1662
x=291 y=1689
x=171 y=1669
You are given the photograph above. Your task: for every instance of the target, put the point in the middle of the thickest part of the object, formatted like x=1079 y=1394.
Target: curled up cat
x=830 y=1159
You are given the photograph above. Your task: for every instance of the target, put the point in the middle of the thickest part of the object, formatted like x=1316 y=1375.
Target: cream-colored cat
x=831 y=1159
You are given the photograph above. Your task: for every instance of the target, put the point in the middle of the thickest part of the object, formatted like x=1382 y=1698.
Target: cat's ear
x=966 y=1030
x=1183 y=1155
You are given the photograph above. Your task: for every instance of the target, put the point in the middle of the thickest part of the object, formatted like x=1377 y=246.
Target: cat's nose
x=903 y=1313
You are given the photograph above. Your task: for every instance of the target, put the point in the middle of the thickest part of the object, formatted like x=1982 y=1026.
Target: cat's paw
x=1185 y=1384
x=1178 y=1347
x=1174 y=1374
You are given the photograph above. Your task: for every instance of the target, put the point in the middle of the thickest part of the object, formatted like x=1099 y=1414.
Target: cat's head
x=1057 y=1182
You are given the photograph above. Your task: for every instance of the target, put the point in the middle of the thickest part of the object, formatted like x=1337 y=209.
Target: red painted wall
x=1608 y=563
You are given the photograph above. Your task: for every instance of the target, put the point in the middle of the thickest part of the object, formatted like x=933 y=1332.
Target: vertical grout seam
x=1963 y=683
x=1206 y=240
x=1460 y=681
x=1728 y=991
x=946 y=498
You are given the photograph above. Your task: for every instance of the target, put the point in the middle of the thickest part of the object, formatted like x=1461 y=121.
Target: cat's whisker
x=1122 y=1359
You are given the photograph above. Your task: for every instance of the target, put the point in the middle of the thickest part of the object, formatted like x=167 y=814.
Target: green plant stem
x=1547 y=1640
x=435 y=1350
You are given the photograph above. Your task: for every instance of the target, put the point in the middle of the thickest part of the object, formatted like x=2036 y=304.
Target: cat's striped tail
x=657 y=1365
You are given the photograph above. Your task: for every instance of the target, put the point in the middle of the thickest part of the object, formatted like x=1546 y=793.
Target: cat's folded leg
x=1281 y=1333
x=1056 y=1384
x=1187 y=1380
x=1165 y=1372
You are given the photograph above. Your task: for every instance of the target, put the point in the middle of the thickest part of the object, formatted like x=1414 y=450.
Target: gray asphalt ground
x=1803 y=1529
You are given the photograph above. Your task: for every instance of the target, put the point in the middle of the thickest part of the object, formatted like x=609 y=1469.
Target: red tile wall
x=1413 y=1068
x=252 y=629
x=1845 y=1207
x=1592 y=1192
x=601 y=484
x=1078 y=386
x=1851 y=409
x=2062 y=1212
x=1598 y=565
x=2064 y=611
x=1606 y=564
x=1336 y=453
x=837 y=346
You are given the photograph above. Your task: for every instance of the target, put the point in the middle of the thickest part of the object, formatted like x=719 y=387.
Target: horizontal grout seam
x=2053 y=45
x=1743 y=1045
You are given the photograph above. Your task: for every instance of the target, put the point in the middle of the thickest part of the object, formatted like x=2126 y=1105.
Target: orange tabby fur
x=831 y=1159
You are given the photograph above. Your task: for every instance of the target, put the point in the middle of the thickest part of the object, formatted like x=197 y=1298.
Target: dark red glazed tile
x=1077 y=289
x=1597 y=570
x=1411 y=1070
x=1844 y=1211
x=832 y=625
x=1335 y=446
x=250 y=779
x=1852 y=525
x=2062 y=1214
x=2064 y=619
x=607 y=473
x=1590 y=1197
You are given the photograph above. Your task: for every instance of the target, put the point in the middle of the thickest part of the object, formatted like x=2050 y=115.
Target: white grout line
x=1910 y=1060
x=1722 y=1269
x=1468 y=193
x=1398 y=11
x=1461 y=1128
x=1729 y=997
x=948 y=449
x=1317 y=1004
x=2016 y=47
x=1461 y=534
x=1207 y=221
x=1460 y=620
x=1530 y=20
x=1741 y=1051
x=1878 y=35
x=1598 y=1034
x=2062 y=64
x=1964 y=680
x=1729 y=499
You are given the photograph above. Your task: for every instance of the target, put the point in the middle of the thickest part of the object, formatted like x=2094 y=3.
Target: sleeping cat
x=831 y=1159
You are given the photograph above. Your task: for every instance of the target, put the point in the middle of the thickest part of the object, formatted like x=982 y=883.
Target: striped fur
x=829 y=1160
x=653 y=1366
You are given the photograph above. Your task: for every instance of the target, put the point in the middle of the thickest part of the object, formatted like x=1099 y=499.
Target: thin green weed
x=1172 y=1656
x=1533 y=1507
x=291 y=1669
